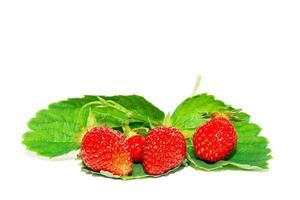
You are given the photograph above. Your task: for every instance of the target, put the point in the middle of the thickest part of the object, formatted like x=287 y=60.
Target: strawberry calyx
x=223 y=114
x=129 y=132
x=229 y=115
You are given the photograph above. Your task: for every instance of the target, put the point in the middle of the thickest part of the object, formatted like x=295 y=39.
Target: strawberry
x=136 y=143
x=215 y=139
x=164 y=149
x=106 y=149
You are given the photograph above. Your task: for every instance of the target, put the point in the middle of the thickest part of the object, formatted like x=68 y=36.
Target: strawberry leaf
x=58 y=130
x=140 y=109
x=137 y=172
x=251 y=153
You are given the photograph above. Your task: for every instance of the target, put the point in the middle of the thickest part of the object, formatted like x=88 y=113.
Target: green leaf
x=251 y=153
x=58 y=130
x=53 y=130
x=143 y=110
x=137 y=172
x=189 y=114
x=131 y=109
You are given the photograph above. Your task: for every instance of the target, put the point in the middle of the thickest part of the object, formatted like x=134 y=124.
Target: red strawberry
x=215 y=140
x=164 y=149
x=106 y=149
x=136 y=143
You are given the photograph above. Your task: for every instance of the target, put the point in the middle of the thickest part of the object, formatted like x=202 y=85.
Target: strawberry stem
x=167 y=120
x=197 y=85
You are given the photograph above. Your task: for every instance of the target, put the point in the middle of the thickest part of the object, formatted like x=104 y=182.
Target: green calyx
x=129 y=132
x=230 y=115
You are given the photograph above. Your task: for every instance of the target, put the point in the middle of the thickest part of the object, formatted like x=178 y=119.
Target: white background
x=248 y=53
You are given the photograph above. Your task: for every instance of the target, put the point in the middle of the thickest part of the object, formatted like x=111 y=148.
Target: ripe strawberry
x=136 y=143
x=215 y=140
x=106 y=149
x=164 y=149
